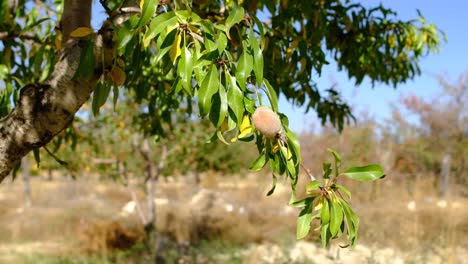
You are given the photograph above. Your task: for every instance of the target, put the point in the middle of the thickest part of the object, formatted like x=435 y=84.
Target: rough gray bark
x=45 y=109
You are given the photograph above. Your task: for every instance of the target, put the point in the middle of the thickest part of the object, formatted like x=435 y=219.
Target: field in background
x=222 y=220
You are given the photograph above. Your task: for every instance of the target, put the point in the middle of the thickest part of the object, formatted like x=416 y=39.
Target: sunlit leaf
x=81 y=32
x=365 y=173
x=148 y=9
x=209 y=86
x=336 y=217
x=260 y=162
x=185 y=69
x=175 y=51
x=303 y=222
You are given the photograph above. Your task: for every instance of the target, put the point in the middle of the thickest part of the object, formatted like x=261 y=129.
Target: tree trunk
x=26 y=173
x=45 y=109
x=445 y=174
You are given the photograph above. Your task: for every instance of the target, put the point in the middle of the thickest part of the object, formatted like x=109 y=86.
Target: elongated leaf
x=272 y=190
x=222 y=42
x=175 y=51
x=303 y=202
x=365 y=173
x=343 y=189
x=335 y=155
x=185 y=69
x=271 y=93
x=294 y=144
x=219 y=107
x=260 y=162
x=303 y=222
x=326 y=170
x=37 y=156
x=86 y=65
x=81 y=32
x=235 y=98
x=325 y=212
x=325 y=235
x=352 y=221
x=244 y=68
x=257 y=56
x=336 y=217
x=209 y=86
x=100 y=96
x=159 y=24
x=148 y=10
x=313 y=186
x=124 y=35
x=234 y=17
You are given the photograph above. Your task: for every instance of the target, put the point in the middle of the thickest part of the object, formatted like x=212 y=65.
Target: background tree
x=225 y=54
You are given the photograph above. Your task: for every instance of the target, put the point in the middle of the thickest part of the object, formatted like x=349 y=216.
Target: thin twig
x=61 y=162
x=312 y=178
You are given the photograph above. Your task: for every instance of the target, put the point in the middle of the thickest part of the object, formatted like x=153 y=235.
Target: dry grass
x=85 y=216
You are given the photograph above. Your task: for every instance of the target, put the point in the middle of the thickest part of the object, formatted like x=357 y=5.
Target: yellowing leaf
x=81 y=32
x=245 y=128
x=225 y=126
x=195 y=29
x=142 y=2
x=58 y=42
x=121 y=63
x=275 y=148
x=118 y=76
x=175 y=49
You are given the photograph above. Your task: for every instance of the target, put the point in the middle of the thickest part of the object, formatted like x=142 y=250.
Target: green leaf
x=234 y=17
x=271 y=93
x=3 y=71
x=158 y=25
x=294 y=144
x=336 y=217
x=303 y=202
x=325 y=212
x=260 y=162
x=257 y=57
x=365 y=173
x=343 y=189
x=220 y=136
x=324 y=235
x=326 y=170
x=149 y=9
x=303 y=222
x=335 y=154
x=337 y=160
x=244 y=68
x=270 y=192
x=115 y=92
x=185 y=69
x=86 y=66
x=167 y=44
x=37 y=156
x=222 y=42
x=209 y=86
x=235 y=98
x=124 y=35
x=101 y=92
x=352 y=221
x=313 y=185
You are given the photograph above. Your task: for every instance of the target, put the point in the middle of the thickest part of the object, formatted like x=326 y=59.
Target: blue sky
x=450 y=62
